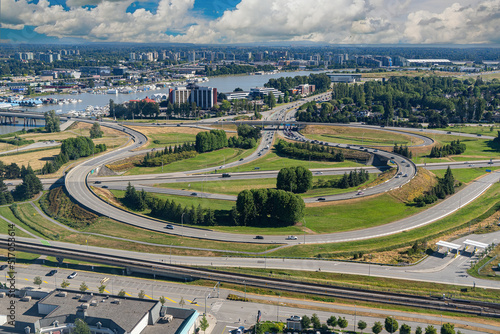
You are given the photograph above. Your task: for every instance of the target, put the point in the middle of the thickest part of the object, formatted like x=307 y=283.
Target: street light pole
x=182 y=224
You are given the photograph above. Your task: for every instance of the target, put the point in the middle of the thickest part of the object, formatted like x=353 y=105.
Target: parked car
x=73 y=275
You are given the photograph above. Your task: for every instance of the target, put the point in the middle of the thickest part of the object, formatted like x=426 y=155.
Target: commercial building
x=264 y=91
x=204 y=97
x=345 y=78
x=56 y=312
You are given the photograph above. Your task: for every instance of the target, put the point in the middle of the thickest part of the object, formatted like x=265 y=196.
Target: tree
x=182 y=302
x=52 y=122
x=377 y=327
x=391 y=325
x=315 y=321
x=122 y=293
x=405 y=329
x=81 y=327
x=271 y=100
x=64 y=284
x=204 y=323
x=38 y=281
x=418 y=330
x=430 y=330
x=361 y=325
x=141 y=294
x=95 y=131
x=332 y=321
x=305 y=322
x=162 y=300
x=343 y=323
x=101 y=288
x=448 y=329
x=83 y=287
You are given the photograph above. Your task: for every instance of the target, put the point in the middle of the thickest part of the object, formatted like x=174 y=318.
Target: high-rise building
x=204 y=97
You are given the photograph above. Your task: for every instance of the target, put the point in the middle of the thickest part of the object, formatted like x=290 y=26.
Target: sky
x=251 y=21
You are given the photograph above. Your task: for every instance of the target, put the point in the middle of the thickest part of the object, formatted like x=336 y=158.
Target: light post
x=278 y=309
x=182 y=224
x=354 y=324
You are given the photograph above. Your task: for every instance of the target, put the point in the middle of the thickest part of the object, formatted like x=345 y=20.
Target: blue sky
x=252 y=21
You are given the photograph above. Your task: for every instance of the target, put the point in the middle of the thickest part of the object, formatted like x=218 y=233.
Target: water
x=18 y=127
x=223 y=85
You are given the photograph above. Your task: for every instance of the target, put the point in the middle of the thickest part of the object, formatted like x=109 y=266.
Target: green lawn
x=272 y=161
x=477 y=149
x=465 y=175
x=4 y=228
x=214 y=204
x=168 y=139
x=358 y=136
x=483 y=129
x=234 y=187
x=209 y=159
x=344 y=216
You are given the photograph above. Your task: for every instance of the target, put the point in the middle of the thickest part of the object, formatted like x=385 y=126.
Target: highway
x=80 y=191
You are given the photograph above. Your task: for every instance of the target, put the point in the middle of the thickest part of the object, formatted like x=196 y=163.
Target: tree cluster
x=454 y=148
x=170 y=210
x=30 y=186
x=52 y=122
x=321 y=81
x=72 y=149
x=5 y=195
x=12 y=171
x=308 y=151
x=246 y=131
x=353 y=179
x=402 y=150
x=267 y=208
x=444 y=187
x=169 y=155
x=210 y=141
x=95 y=131
x=295 y=179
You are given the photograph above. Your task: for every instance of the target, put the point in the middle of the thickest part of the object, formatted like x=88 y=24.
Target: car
x=392 y=158
x=397 y=176
x=471 y=165
x=479 y=135
x=490 y=162
x=178 y=125
x=257 y=168
x=360 y=193
x=241 y=159
x=448 y=133
x=73 y=275
x=259 y=237
x=321 y=199
x=406 y=175
x=3 y=266
x=291 y=237
x=400 y=173
x=169 y=227
x=294 y=318
x=194 y=194
x=402 y=161
x=105 y=187
x=226 y=175
x=97 y=182
x=375 y=150
x=407 y=165
x=319 y=172
x=52 y=272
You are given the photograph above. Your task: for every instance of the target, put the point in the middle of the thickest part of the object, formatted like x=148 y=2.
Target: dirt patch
x=108 y=197
x=125 y=164
x=35 y=159
x=343 y=202
x=424 y=181
x=149 y=130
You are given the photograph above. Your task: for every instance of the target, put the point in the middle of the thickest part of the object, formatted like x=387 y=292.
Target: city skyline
x=375 y=22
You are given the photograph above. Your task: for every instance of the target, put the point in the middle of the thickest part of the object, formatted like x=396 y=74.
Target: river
x=223 y=84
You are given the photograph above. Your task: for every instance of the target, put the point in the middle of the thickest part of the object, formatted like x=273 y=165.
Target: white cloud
x=332 y=21
x=455 y=24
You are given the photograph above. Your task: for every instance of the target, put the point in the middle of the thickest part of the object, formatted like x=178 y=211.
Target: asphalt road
x=81 y=192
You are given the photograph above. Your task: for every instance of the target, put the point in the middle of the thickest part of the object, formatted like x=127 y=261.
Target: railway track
x=443 y=304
